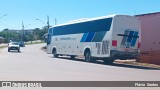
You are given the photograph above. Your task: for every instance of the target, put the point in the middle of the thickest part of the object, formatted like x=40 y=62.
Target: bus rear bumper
x=123 y=55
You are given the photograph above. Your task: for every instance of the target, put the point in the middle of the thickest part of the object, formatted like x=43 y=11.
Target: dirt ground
x=133 y=62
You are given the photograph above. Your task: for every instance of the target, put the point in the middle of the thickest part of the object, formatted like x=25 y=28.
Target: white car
x=13 y=46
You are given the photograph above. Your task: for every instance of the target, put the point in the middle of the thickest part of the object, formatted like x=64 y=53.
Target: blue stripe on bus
x=84 y=37
x=90 y=37
x=129 y=40
x=134 y=39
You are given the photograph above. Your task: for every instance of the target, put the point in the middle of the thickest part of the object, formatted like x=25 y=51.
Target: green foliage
x=37 y=34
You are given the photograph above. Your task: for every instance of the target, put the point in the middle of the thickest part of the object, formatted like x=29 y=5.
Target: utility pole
x=46 y=25
x=48 y=21
x=22 y=31
x=55 y=21
x=7 y=35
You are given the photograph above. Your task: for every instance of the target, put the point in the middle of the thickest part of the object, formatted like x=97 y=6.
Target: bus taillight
x=139 y=45
x=114 y=43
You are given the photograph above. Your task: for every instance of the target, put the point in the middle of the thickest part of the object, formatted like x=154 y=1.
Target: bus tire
x=55 y=53
x=108 y=61
x=88 y=57
x=18 y=50
x=72 y=57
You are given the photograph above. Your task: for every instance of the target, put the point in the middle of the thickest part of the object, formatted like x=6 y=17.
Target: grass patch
x=2 y=47
x=133 y=62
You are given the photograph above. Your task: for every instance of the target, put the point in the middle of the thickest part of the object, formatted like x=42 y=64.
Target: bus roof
x=86 y=20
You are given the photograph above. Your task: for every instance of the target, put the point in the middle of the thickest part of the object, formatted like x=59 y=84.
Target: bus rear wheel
x=108 y=61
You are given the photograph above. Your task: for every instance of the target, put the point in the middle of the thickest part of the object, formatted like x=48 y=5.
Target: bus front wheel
x=55 y=53
x=88 y=57
x=72 y=57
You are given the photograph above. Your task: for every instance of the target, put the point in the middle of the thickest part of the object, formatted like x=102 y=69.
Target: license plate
x=14 y=48
x=127 y=50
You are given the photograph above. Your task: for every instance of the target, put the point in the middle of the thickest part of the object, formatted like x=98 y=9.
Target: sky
x=27 y=11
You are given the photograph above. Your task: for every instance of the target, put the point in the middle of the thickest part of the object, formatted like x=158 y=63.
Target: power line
x=8 y=26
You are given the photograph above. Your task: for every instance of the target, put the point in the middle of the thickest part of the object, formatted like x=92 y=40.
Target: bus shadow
x=114 y=64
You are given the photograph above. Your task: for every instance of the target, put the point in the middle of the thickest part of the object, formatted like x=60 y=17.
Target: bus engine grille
x=105 y=47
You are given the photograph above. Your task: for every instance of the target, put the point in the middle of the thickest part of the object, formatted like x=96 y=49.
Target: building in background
x=150 y=37
x=27 y=31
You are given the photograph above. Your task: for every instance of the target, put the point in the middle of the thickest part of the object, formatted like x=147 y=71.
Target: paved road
x=33 y=64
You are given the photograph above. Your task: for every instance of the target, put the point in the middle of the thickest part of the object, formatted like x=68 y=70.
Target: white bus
x=106 y=38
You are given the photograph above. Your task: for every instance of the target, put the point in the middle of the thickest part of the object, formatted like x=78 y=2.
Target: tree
x=9 y=35
x=39 y=33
